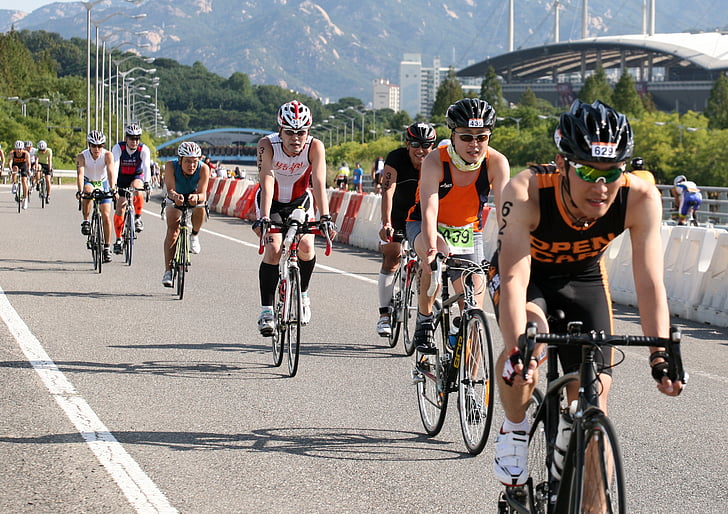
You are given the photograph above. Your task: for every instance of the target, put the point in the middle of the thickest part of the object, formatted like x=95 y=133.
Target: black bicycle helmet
x=423 y=132
x=638 y=163
x=594 y=133
x=470 y=113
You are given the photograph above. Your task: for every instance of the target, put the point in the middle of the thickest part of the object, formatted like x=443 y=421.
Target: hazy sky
x=27 y=5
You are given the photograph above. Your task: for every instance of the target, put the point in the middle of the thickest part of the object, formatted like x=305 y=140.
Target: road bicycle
x=403 y=306
x=19 y=192
x=288 y=306
x=181 y=258
x=129 y=234
x=592 y=475
x=43 y=191
x=462 y=361
x=95 y=239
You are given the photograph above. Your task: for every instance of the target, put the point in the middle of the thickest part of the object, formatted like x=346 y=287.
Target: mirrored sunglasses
x=589 y=174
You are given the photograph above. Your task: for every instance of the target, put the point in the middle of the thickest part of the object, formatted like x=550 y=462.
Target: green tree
x=491 y=90
x=596 y=87
x=528 y=98
x=625 y=97
x=717 y=109
x=449 y=92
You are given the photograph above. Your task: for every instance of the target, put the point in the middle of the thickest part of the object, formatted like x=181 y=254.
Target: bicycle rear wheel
x=475 y=391
x=128 y=236
x=294 y=312
x=598 y=485
x=279 y=334
x=409 y=313
x=19 y=195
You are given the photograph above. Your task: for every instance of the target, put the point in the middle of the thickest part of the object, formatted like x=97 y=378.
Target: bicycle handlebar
x=575 y=337
x=308 y=227
x=452 y=262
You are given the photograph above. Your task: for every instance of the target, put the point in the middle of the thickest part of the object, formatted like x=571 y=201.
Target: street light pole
x=88 y=5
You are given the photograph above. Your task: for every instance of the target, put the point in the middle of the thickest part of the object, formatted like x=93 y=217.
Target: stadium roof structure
x=221 y=137
x=687 y=56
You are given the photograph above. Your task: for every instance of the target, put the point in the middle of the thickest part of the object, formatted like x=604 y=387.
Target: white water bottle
x=566 y=421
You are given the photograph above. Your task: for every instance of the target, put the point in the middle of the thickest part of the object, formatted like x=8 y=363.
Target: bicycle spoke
x=293 y=325
x=431 y=396
x=475 y=393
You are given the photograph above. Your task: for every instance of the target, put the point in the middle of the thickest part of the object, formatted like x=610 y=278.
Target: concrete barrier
x=712 y=303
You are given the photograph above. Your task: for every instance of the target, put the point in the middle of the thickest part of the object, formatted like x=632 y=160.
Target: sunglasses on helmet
x=590 y=174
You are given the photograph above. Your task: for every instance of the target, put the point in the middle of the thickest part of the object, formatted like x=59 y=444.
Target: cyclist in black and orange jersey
x=454 y=185
x=19 y=160
x=399 y=180
x=131 y=162
x=556 y=223
x=44 y=166
x=2 y=160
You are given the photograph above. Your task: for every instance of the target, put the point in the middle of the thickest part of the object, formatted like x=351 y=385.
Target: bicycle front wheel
x=182 y=249
x=42 y=193
x=293 y=322
x=98 y=243
x=475 y=390
x=128 y=236
x=597 y=483
x=409 y=314
x=395 y=311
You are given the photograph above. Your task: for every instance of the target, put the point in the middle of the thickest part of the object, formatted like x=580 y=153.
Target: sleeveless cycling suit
x=21 y=161
x=405 y=194
x=186 y=184
x=460 y=207
x=130 y=165
x=292 y=180
x=94 y=172
x=567 y=271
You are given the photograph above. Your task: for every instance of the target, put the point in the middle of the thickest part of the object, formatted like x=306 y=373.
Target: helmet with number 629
x=189 y=149
x=594 y=133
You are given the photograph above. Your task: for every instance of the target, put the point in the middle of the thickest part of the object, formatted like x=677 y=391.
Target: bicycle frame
x=565 y=494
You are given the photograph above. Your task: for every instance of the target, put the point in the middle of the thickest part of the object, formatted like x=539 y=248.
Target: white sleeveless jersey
x=292 y=174
x=94 y=170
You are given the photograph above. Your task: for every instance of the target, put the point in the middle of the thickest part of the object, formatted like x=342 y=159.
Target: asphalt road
x=118 y=397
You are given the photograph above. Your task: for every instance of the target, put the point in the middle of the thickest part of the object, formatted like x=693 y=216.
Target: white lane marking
x=142 y=493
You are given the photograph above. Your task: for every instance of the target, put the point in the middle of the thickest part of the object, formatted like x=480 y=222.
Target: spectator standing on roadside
x=356 y=178
x=377 y=170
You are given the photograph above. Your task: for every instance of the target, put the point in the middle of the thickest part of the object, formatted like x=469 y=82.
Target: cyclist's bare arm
x=317 y=155
x=389 y=185
x=266 y=176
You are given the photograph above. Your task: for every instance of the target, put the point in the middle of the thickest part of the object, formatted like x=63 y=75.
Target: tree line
x=40 y=64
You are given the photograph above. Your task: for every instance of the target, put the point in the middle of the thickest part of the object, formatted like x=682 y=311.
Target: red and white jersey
x=292 y=173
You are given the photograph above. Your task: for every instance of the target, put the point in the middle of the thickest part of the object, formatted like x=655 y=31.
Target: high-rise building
x=386 y=95
x=419 y=85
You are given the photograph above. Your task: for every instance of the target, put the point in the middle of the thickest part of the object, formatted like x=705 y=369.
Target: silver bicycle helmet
x=189 y=149
x=96 y=137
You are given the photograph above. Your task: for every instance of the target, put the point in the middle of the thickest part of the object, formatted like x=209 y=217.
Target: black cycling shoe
x=85 y=227
x=425 y=338
x=107 y=255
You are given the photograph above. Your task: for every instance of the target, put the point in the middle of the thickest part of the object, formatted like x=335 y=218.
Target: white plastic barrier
x=689 y=255
x=618 y=262
x=366 y=228
x=240 y=186
x=712 y=305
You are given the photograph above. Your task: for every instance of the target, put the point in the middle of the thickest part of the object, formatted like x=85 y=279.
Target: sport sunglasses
x=590 y=174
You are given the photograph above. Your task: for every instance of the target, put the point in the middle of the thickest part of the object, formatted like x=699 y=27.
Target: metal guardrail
x=714 y=208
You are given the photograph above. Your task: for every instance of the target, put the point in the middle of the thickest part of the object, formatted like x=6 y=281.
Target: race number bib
x=460 y=239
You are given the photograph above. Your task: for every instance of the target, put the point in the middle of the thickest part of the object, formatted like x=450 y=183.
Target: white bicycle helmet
x=294 y=115
x=19 y=145
x=189 y=149
x=133 y=130
x=42 y=145
x=96 y=137
x=678 y=179
x=29 y=144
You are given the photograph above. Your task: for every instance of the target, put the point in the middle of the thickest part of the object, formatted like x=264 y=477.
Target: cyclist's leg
x=138 y=201
x=105 y=209
x=306 y=259
x=385 y=283
x=172 y=215
x=47 y=178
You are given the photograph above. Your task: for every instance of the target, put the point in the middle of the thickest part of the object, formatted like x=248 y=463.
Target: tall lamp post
x=118 y=107
x=88 y=5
